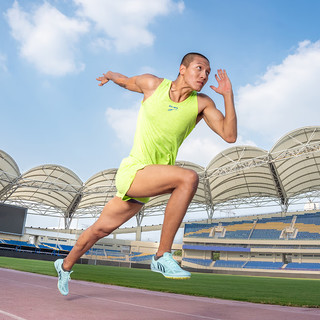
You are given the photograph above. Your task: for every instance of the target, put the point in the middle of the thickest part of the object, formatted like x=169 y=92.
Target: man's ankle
x=156 y=257
x=159 y=255
x=65 y=270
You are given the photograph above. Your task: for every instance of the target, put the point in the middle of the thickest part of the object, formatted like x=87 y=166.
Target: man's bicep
x=132 y=84
x=214 y=118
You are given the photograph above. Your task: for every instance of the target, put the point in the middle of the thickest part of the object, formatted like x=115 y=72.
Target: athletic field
x=266 y=290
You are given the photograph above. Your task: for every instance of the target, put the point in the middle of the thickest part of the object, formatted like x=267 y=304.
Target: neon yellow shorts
x=125 y=176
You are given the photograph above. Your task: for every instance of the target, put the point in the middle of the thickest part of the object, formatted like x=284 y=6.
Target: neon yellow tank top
x=163 y=125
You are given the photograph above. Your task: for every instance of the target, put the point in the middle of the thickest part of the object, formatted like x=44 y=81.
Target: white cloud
x=123 y=122
x=287 y=96
x=47 y=38
x=3 y=62
x=125 y=23
x=147 y=69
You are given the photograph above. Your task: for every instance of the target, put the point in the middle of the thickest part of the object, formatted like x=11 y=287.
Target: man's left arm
x=224 y=125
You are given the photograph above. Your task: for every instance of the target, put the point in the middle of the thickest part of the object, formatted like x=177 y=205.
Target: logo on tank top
x=171 y=108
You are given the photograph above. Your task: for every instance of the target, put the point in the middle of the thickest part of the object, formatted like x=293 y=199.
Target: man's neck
x=179 y=90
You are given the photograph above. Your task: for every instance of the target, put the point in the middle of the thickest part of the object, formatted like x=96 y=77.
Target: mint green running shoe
x=63 y=277
x=169 y=267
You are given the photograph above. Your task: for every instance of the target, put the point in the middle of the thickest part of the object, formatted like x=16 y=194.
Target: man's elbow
x=231 y=138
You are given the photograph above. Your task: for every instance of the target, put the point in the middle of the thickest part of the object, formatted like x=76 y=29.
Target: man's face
x=197 y=73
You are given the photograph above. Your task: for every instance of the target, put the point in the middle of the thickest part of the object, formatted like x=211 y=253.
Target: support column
x=208 y=198
x=138 y=233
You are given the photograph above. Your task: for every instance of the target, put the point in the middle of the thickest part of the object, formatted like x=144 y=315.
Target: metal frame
x=54 y=195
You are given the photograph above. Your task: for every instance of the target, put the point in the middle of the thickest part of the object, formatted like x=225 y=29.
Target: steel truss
x=12 y=183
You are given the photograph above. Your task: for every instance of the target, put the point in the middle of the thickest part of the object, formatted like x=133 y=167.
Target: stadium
x=280 y=242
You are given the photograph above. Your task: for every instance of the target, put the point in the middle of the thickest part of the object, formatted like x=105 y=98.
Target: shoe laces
x=66 y=275
x=173 y=263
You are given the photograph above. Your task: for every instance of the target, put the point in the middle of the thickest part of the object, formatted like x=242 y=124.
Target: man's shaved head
x=189 y=57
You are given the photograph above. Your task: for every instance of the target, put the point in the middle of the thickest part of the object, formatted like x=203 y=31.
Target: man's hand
x=103 y=80
x=224 y=84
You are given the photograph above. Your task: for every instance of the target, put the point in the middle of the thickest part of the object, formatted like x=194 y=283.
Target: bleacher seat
x=309 y=218
x=239 y=234
x=19 y=243
x=198 y=229
x=201 y=262
x=302 y=235
x=263 y=265
x=141 y=257
x=229 y=264
x=65 y=247
x=303 y=266
x=267 y=234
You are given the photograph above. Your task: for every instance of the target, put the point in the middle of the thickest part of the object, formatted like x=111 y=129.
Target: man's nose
x=204 y=75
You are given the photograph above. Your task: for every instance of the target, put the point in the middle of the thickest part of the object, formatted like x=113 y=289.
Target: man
x=169 y=112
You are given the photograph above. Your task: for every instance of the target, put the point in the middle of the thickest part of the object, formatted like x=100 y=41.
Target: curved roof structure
x=297 y=160
x=97 y=191
x=230 y=180
x=47 y=189
x=236 y=176
x=9 y=171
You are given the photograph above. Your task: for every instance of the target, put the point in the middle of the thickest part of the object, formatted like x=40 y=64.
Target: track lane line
x=12 y=316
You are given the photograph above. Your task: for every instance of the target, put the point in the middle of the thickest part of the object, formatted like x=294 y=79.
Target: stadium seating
x=16 y=245
x=239 y=234
x=19 y=243
x=309 y=219
x=267 y=234
x=248 y=264
x=229 y=264
x=307 y=236
x=263 y=265
x=200 y=262
x=198 y=229
x=308 y=226
x=263 y=229
x=140 y=257
x=291 y=228
x=51 y=246
x=303 y=266
x=65 y=247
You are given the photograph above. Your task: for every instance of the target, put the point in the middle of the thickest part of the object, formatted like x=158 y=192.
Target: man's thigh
x=157 y=179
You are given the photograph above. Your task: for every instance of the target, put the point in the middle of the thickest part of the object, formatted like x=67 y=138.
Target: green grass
x=281 y=291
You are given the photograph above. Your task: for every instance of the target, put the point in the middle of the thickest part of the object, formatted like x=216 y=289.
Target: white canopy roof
x=235 y=176
x=237 y=183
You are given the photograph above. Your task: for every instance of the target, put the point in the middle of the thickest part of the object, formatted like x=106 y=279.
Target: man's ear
x=182 y=69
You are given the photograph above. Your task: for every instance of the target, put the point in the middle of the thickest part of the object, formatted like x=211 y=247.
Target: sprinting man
x=169 y=112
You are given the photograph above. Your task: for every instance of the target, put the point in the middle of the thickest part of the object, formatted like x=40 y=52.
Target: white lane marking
x=146 y=307
x=11 y=315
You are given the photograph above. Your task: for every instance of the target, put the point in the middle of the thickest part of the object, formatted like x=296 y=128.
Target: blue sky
x=54 y=112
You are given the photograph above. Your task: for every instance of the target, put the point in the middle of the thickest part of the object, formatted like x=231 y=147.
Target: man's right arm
x=145 y=83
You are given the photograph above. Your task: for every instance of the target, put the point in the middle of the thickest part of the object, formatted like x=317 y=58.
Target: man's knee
x=191 y=178
x=98 y=232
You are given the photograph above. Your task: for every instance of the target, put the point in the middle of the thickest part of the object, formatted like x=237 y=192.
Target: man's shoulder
x=203 y=98
x=204 y=101
x=149 y=81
